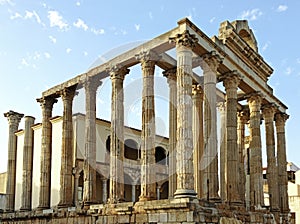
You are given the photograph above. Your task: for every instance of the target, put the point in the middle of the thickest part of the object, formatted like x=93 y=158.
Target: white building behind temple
x=131 y=162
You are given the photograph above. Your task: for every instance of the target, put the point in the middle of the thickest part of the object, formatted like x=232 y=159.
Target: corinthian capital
x=254 y=101
x=117 y=71
x=170 y=74
x=47 y=102
x=210 y=61
x=269 y=111
x=197 y=90
x=230 y=79
x=68 y=93
x=13 y=117
x=184 y=39
x=281 y=118
x=148 y=56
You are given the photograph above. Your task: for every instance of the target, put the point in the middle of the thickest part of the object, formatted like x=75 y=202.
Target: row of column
x=276 y=174
x=186 y=145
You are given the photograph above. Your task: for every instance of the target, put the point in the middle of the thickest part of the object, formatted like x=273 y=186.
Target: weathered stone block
x=154 y=217
x=171 y=217
x=123 y=219
x=163 y=217
x=181 y=217
x=141 y=218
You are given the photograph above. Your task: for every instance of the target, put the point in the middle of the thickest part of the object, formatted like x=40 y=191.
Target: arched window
x=131 y=150
x=108 y=143
x=160 y=155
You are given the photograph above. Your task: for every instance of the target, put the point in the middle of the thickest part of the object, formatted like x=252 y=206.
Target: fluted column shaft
x=116 y=192
x=198 y=137
x=280 y=119
x=171 y=76
x=243 y=117
x=272 y=171
x=14 y=119
x=184 y=157
x=66 y=197
x=209 y=65
x=223 y=152
x=46 y=151
x=76 y=184
x=148 y=182
x=231 y=82
x=89 y=194
x=256 y=184
x=104 y=190
x=27 y=164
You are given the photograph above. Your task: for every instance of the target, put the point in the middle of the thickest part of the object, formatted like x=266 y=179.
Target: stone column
x=76 y=184
x=116 y=192
x=46 y=151
x=209 y=64
x=243 y=117
x=133 y=192
x=272 y=171
x=27 y=164
x=89 y=189
x=256 y=179
x=148 y=182
x=66 y=197
x=171 y=76
x=198 y=138
x=104 y=190
x=14 y=119
x=184 y=156
x=158 y=191
x=231 y=81
x=280 y=119
x=223 y=152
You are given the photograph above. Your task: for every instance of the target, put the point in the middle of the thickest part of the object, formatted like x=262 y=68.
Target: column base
x=185 y=193
x=9 y=211
x=24 y=209
x=114 y=201
x=62 y=205
x=40 y=208
x=144 y=198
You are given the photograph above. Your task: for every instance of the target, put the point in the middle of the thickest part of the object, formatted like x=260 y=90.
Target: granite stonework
x=183 y=210
x=81 y=169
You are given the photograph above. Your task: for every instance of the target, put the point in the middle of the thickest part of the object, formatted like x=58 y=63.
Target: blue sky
x=43 y=43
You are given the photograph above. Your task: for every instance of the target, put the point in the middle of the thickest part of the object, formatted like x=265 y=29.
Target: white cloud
x=36 y=55
x=137 y=26
x=57 y=20
x=288 y=70
x=150 y=15
x=53 y=39
x=97 y=32
x=124 y=32
x=85 y=53
x=80 y=24
x=16 y=16
x=251 y=14
x=47 y=55
x=212 y=20
x=265 y=46
x=33 y=14
x=282 y=8
x=68 y=50
x=24 y=62
x=78 y=3
x=3 y=2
